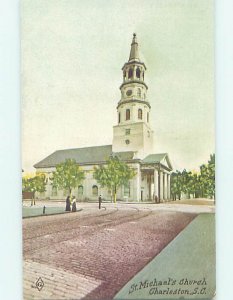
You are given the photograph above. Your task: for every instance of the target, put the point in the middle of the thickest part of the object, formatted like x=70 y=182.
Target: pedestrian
x=74 y=204
x=100 y=201
x=68 y=203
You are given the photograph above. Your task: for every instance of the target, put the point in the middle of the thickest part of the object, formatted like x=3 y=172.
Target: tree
x=207 y=177
x=199 y=183
x=176 y=184
x=115 y=174
x=33 y=184
x=68 y=175
x=186 y=179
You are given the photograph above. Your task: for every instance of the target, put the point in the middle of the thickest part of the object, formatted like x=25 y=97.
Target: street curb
x=60 y=213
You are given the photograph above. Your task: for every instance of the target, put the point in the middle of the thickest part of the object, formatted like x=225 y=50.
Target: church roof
x=87 y=155
x=161 y=158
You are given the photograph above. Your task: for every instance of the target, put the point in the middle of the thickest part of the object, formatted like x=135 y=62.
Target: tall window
x=138 y=73
x=130 y=75
x=140 y=114
x=127 y=114
x=80 y=190
x=127 y=190
x=139 y=92
x=119 y=118
x=124 y=75
x=95 y=190
x=147 y=117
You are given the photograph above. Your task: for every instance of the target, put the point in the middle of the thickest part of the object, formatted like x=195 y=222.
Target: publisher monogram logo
x=39 y=284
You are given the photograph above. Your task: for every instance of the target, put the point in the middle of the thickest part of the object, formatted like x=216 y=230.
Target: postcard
x=118 y=149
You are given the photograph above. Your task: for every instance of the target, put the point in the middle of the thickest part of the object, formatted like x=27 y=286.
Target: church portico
x=155 y=184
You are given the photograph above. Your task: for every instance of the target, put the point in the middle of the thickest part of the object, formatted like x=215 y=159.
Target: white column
x=161 y=186
x=156 y=188
x=134 y=72
x=168 y=187
x=138 y=182
x=165 y=186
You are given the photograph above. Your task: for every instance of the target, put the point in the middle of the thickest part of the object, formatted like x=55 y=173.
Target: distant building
x=132 y=143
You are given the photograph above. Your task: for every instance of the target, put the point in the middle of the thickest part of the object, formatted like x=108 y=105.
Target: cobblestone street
x=93 y=253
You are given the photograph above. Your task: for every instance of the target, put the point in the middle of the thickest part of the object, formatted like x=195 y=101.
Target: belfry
x=133 y=132
x=132 y=143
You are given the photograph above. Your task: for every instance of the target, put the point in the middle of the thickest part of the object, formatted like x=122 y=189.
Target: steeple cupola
x=133 y=132
x=134 y=87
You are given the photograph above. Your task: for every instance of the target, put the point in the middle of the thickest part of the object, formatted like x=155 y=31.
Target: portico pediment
x=160 y=158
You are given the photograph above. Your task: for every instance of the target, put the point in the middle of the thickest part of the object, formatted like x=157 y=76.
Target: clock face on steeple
x=129 y=93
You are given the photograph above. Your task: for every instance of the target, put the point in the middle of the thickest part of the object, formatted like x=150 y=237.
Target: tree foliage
x=34 y=183
x=198 y=184
x=68 y=175
x=115 y=174
x=208 y=177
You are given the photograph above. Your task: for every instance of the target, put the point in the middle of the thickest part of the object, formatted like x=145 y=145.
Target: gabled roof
x=87 y=155
x=161 y=158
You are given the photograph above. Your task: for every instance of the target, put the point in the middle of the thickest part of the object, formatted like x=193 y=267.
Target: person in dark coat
x=68 y=203
x=100 y=201
x=74 y=204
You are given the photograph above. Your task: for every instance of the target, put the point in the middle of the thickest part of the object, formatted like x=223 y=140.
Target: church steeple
x=134 y=55
x=134 y=87
x=133 y=132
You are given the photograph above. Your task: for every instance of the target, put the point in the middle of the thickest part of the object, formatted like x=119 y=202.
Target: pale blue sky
x=72 y=54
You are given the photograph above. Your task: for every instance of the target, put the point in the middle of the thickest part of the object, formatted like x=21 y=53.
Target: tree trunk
x=70 y=192
x=114 y=194
x=33 y=199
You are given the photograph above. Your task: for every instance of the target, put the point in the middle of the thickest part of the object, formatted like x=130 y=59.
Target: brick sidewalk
x=92 y=255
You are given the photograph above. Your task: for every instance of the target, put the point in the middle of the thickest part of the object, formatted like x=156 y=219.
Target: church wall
x=87 y=184
x=140 y=139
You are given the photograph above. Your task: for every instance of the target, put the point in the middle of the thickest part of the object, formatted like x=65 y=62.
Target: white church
x=132 y=143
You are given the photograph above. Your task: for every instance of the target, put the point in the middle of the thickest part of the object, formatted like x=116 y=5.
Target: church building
x=132 y=143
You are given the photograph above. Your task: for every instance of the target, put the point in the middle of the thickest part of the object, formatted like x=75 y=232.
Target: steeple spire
x=134 y=49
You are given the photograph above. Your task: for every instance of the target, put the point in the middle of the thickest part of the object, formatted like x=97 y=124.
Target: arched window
x=130 y=75
x=140 y=114
x=127 y=114
x=119 y=117
x=143 y=75
x=147 y=117
x=138 y=73
x=139 y=92
x=124 y=75
x=127 y=190
x=95 y=190
x=80 y=190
